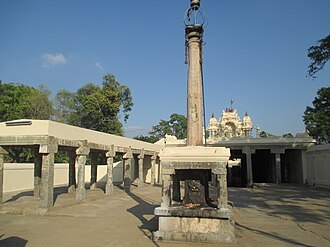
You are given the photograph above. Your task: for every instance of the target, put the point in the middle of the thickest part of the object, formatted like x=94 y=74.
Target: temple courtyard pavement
x=267 y=215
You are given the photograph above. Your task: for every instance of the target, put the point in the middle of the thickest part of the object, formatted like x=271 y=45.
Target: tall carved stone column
x=81 y=153
x=153 y=169
x=110 y=155
x=47 y=173
x=2 y=159
x=248 y=152
x=141 y=161
x=37 y=172
x=128 y=170
x=194 y=34
x=93 y=181
x=72 y=172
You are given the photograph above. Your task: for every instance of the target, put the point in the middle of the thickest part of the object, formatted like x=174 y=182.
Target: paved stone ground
x=284 y=215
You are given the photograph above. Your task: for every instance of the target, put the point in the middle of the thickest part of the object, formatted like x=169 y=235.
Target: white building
x=230 y=125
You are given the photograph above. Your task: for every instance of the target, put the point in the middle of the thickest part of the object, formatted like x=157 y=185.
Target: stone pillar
x=153 y=169
x=37 y=172
x=128 y=170
x=248 y=152
x=194 y=41
x=110 y=155
x=81 y=153
x=278 y=153
x=93 y=181
x=2 y=160
x=72 y=172
x=140 y=161
x=221 y=174
x=166 y=188
x=47 y=173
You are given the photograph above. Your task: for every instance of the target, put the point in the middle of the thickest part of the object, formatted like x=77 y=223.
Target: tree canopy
x=95 y=107
x=319 y=55
x=19 y=101
x=317 y=118
x=176 y=126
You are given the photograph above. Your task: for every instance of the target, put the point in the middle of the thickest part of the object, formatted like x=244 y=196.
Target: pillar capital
x=51 y=146
x=142 y=153
x=248 y=150
x=128 y=154
x=111 y=152
x=194 y=31
x=154 y=156
x=83 y=149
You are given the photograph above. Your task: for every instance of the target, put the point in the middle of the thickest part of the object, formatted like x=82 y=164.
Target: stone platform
x=201 y=222
x=207 y=225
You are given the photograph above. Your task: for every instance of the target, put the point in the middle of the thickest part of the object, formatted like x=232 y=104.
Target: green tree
x=176 y=126
x=287 y=135
x=151 y=139
x=38 y=105
x=95 y=107
x=263 y=134
x=319 y=55
x=65 y=107
x=19 y=101
x=317 y=118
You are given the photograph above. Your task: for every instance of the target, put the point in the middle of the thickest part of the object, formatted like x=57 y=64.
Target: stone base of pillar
x=140 y=183
x=108 y=189
x=127 y=184
x=80 y=195
x=212 y=227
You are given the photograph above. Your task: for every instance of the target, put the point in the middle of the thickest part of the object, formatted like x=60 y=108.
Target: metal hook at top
x=194 y=14
x=195 y=4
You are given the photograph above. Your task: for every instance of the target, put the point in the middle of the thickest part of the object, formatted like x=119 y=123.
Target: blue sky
x=255 y=52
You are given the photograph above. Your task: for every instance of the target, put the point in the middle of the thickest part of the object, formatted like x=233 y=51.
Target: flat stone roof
x=37 y=128
x=252 y=142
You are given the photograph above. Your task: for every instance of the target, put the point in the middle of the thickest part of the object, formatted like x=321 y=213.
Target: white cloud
x=99 y=66
x=53 y=59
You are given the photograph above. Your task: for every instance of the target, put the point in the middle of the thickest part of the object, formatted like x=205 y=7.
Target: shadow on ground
x=12 y=242
x=299 y=203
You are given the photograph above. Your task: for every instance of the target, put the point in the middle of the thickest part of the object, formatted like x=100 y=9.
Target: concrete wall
x=318 y=165
x=21 y=176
